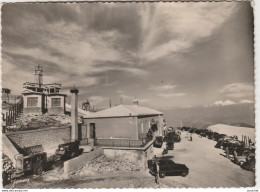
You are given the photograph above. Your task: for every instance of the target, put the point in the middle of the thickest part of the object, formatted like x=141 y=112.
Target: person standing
x=227 y=152
x=235 y=156
x=157 y=179
x=250 y=142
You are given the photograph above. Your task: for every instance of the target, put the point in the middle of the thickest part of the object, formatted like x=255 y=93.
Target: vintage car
x=68 y=150
x=249 y=165
x=231 y=144
x=172 y=136
x=158 y=142
x=167 y=167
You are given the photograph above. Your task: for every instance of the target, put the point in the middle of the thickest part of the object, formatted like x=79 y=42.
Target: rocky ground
x=7 y=164
x=104 y=165
x=35 y=121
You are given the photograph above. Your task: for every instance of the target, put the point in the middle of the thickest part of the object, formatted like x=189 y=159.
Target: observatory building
x=41 y=98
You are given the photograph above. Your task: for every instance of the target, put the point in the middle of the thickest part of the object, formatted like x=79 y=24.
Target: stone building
x=41 y=98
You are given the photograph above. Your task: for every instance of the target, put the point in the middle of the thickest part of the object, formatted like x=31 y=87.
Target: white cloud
x=163 y=87
x=238 y=90
x=245 y=101
x=224 y=103
x=168 y=95
x=190 y=22
x=221 y=103
x=228 y=102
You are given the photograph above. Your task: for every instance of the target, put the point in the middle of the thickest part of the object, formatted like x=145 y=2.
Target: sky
x=188 y=56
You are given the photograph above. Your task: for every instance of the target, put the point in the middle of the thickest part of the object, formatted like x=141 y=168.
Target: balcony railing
x=121 y=142
x=45 y=86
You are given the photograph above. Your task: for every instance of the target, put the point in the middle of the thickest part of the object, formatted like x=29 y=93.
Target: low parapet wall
x=9 y=149
x=71 y=165
x=131 y=153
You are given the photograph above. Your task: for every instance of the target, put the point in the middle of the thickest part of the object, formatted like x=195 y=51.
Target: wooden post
x=6 y=119
x=15 y=110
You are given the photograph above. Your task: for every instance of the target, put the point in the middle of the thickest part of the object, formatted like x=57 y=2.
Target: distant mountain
x=202 y=117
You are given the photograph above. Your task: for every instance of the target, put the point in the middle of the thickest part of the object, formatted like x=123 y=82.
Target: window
x=32 y=101
x=55 y=102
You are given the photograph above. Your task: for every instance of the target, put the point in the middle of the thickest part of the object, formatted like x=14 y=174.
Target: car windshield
x=159 y=138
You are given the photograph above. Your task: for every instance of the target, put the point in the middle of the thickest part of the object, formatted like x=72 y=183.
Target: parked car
x=204 y=133
x=215 y=136
x=68 y=150
x=172 y=136
x=250 y=163
x=167 y=167
x=158 y=142
x=230 y=144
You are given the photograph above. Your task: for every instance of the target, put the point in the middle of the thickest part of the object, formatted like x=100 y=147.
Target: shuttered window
x=55 y=102
x=32 y=101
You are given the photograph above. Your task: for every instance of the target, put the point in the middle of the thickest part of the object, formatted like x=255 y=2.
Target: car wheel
x=161 y=174
x=184 y=173
x=37 y=170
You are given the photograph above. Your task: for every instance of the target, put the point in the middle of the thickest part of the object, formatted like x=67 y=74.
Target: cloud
x=127 y=97
x=224 y=103
x=163 y=87
x=229 y=102
x=238 y=90
x=168 y=95
x=166 y=90
x=143 y=100
x=189 y=23
x=98 y=99
x=245 y=101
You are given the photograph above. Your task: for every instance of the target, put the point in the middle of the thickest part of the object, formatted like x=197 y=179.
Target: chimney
x=135 y=102
x=74 y=114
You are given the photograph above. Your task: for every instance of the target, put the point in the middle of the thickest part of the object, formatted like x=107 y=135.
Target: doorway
x=92 y=130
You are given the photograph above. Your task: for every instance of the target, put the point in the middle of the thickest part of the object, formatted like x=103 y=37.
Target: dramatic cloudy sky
x=167 y=55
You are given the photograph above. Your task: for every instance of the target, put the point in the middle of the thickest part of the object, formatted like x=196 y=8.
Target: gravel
x=103 y=164
x=34 y=121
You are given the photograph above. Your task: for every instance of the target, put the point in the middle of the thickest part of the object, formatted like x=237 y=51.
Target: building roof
x=123 y=111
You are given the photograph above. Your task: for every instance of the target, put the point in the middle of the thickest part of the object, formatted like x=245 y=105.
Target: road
x=208 y=168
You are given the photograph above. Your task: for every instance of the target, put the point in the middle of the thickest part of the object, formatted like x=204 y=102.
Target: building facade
x=41 y=98
x=122 y=123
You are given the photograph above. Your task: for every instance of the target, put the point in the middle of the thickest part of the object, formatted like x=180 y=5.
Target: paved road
x=208 y=166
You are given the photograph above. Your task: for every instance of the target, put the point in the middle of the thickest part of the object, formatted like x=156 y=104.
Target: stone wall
x=78 y=162
x=49 y=138
x=131 y=154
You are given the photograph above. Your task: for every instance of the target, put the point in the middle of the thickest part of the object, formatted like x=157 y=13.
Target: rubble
x=7 y=164
x=102 y=165
x=35 y=121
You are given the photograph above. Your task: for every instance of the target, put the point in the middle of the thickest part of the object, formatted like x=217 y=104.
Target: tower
x=38 y=75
